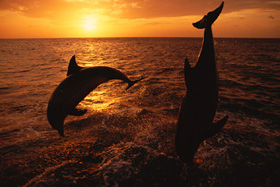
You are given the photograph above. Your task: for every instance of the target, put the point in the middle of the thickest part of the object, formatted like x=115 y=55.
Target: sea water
x=127 y=136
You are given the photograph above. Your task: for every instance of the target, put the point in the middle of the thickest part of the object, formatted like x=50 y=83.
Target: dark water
x=127 y=137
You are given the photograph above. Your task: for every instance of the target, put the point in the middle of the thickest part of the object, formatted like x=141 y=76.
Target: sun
x=89 y=23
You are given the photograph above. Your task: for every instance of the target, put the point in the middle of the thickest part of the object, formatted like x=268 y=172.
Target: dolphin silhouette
x=198 y=108
x=72 y=90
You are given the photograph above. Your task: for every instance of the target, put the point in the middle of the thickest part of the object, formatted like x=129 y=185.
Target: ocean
x=127 y=136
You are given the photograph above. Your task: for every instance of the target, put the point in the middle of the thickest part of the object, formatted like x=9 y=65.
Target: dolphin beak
x=61 y=132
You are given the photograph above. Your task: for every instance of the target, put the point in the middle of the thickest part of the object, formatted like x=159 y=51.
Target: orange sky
x=136 y=18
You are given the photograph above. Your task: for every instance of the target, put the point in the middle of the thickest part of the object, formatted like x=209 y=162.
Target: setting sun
x=130 y=18
x=89 y=22
x=89 y=25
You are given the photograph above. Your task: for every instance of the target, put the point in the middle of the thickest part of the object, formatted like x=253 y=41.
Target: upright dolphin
x=72 y=90
x=195 y=123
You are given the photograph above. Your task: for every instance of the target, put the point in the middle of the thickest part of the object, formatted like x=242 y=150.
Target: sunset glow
x=89 y=26
x=89 y=23
x=135 y=18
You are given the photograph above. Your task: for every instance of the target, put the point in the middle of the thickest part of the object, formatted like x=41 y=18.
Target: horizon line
x=133 y=37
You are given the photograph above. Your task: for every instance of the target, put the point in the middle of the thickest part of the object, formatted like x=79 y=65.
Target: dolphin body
x=195 y=123
x=72 y=90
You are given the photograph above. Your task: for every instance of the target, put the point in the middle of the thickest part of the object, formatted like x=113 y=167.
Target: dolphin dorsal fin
x=73 y=66
x=187 y=72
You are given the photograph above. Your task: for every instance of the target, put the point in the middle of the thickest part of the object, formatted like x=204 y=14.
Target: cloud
x=131 y=9
x=175 y=8
x=43 y=8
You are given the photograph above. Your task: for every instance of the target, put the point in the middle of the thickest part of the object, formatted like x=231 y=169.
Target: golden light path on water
x=96 y=101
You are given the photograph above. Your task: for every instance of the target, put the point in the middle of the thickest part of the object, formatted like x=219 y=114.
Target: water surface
x=127 y=136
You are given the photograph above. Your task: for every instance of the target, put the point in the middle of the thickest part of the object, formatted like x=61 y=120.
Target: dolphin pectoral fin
x=77 y=112
x=216 y=127
x=73 y=66
x=187 y=72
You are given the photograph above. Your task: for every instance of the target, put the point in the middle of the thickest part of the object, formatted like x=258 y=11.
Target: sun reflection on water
x=99 y=101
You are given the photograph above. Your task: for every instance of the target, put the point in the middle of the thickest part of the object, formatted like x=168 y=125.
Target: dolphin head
x=186 y=146
x=60 y=130
x=56 y=119
x=58 y=125
x=188 y=155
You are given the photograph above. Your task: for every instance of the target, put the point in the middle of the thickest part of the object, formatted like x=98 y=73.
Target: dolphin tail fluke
x=73 y=66
x=210 y=18
x=216 y=127
x=131 y=83
x=201 y=24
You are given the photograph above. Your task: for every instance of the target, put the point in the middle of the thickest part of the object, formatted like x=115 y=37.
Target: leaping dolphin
x=195 y=123
x=72 y=90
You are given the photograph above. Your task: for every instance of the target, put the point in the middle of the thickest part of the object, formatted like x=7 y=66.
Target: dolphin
x=71 y=91
x=198 y=108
